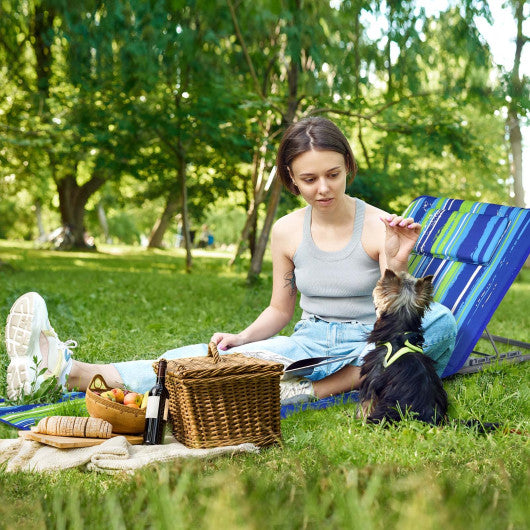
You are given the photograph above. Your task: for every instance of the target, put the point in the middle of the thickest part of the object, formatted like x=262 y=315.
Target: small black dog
x=399 y=378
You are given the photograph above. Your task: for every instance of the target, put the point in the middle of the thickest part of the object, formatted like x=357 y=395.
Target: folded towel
x=112 y=456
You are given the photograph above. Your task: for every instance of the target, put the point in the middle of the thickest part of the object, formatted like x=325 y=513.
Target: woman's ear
x=295 y=189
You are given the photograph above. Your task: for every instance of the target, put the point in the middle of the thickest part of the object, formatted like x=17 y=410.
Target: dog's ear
x=426 y=281
x=424 y=288
x=390 y=284
x=389 y=274
x=390 y=280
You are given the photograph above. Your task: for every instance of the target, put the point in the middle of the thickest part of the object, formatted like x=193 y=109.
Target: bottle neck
x=161 y=374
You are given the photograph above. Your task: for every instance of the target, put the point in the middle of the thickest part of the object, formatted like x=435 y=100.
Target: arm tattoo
x=290 y=282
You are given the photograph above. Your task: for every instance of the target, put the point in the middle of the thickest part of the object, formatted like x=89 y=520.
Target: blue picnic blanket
x=25 y=416
x=324 y=403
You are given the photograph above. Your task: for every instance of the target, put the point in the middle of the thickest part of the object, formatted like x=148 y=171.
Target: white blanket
x=113 y=455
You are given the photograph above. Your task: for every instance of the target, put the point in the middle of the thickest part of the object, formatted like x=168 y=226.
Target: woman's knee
x=439 y=330
x=438 y=323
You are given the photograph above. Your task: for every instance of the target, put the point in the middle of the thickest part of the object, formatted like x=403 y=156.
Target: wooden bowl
x=124 y=420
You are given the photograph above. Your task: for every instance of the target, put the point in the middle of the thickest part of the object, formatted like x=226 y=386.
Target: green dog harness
x=395 y=351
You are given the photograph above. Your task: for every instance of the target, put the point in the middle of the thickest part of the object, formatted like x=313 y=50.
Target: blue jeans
x=313 y=337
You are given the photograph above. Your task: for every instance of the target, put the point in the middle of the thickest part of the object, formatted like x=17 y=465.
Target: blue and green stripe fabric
x=25 y=416
x=474 y=250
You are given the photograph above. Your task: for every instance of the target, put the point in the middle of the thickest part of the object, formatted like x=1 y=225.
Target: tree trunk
x=102 y=218
x=513 y=121
x=184 y=205
x=259 y=190
x=40 y=224
x=516 y=148
x=72 y=202
x=253 y=234
x=41 y=29
x=248 y=233
x=177 y=198
x=162 y=223
x=257 y=260
x=357 y=88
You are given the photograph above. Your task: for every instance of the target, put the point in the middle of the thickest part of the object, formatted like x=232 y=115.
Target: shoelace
x=66 y=347
x=69 y=345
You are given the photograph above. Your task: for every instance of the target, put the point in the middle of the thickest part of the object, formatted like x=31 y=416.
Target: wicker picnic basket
x=224 y=399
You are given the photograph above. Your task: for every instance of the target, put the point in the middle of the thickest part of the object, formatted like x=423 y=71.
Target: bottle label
x=153 y=404
x=166 y=409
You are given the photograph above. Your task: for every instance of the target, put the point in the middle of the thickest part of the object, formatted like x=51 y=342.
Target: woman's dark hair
x=315 y=133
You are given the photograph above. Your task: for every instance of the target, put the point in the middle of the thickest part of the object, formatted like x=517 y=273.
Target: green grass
x=330 y=471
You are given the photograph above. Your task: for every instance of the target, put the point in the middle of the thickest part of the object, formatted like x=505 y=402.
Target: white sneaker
x=295 y=391
x=27 y=321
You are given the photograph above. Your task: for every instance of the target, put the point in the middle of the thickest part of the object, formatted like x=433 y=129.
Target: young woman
x=333 y=251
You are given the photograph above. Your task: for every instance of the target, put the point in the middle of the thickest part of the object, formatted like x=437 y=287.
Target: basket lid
x=214 y=365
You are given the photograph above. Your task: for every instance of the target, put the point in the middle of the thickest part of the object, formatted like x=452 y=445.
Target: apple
x=118 y=394
x=108 y=395
x=132 y=405
x=133 y=397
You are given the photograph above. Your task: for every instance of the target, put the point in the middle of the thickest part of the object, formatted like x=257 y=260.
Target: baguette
x=81 y=427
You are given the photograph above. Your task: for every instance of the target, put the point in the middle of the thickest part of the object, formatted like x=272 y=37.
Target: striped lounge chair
x=474 y=250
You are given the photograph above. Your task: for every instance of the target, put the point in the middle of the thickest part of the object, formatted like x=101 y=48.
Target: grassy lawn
x=330 y=471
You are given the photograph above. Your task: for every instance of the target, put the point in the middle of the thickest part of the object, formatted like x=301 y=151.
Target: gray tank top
x=336 y=286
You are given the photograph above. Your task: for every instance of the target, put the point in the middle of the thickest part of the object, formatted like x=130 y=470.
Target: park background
x=124 y=120
x=138 y=122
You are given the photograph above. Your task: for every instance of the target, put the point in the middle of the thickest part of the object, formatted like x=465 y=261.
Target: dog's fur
x=409 y=385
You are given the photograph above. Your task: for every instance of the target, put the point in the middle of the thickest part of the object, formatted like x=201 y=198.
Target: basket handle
x=213 y=352
x=98 y=383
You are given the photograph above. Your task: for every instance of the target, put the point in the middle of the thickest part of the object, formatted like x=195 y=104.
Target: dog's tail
x=484 y=427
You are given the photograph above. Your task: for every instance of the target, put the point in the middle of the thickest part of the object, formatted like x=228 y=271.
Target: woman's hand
x=401 y=236
x=227 y=340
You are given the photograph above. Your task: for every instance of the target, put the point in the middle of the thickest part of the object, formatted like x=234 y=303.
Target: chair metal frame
x=476 y=364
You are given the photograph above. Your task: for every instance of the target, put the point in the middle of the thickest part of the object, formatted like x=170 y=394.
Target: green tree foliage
x=190 y=114
x=63 y=112
x=415 y=106
x=178 y=104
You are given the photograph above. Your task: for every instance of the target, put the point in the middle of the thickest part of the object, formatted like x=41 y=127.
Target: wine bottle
x=157 y=408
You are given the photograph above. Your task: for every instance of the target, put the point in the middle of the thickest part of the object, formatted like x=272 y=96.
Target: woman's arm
x=283 y=300
x=401 y=235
